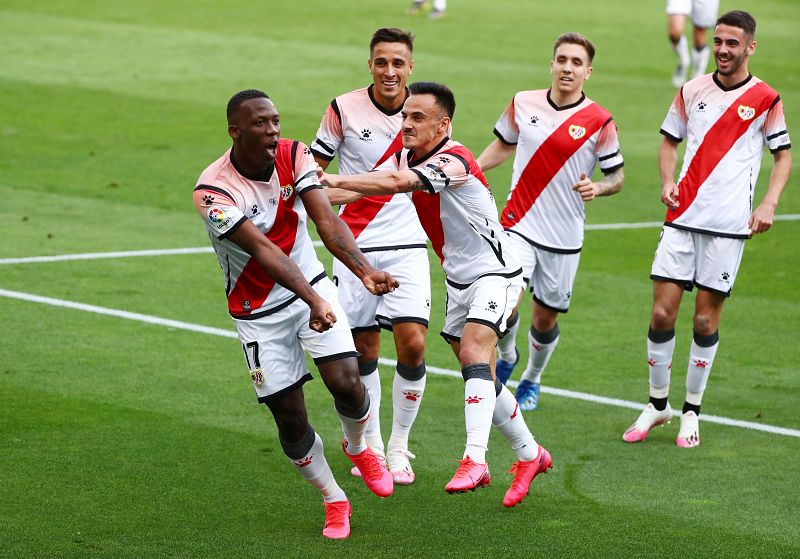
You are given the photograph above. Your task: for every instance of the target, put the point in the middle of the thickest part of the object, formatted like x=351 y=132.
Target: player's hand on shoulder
x=585 y=188
x=669 y=195
x=378 y=282
x=321 y=316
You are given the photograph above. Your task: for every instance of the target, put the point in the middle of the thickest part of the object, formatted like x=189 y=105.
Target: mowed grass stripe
x=388 y=362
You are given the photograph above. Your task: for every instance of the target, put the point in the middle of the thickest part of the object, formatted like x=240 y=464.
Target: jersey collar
x=565 y=107
x=731 y=88
x=379 y=106
x=417 y=161
x=264 y=177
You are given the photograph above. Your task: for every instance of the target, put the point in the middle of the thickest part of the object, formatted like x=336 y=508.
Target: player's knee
x=663 y=318
x=412 y=351
x=291 y=426
x=346 y=388
x=368 y=347
x=704 y=324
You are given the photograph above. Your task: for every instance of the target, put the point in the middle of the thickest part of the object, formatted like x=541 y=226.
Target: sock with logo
x=508 y=420
x=354 y=424
x=541 y=347
x=506 y=346
x=308 y=457
x=701 y=358
x=660 y=346
x=479 y=400
x=407 y=390
x=371 y=378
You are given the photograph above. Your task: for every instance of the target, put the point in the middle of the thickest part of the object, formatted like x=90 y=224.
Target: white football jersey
x=365 y=135
x=225 y=199
x=458 y=213
x=554 y=145
x=726 y=129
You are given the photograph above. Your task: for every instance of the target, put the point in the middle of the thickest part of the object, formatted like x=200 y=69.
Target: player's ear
x=233 y=131
x=411 y=66
x=588 y=72
x=751 y=48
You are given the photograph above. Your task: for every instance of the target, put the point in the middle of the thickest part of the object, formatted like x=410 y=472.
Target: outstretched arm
x=763 y=216
x=284 y=271
x=667 y=161
x=338 y=239
x=611 y=184
x=495 y=154
x=375 y=183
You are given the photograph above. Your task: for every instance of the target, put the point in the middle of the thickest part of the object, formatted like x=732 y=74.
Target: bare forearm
x=611 y=183
x=667 y=161
x=778 y=178
x=376 y=183
x=285 y=272
x=339 y=240
x=339 y=196
x=495 y=154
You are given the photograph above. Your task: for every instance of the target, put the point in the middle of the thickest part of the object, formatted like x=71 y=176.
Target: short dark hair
x=444 y=97
x=575 y=39
x=740 y=19
x=392 y=35
x=239 y=98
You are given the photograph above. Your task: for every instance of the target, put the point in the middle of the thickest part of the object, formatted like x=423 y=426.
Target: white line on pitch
x=317 y=244
x=178 y=325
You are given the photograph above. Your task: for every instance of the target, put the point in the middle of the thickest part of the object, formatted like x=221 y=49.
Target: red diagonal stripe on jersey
x=717 y=143
x=254 y=283
x=427 y=206
x=357 y=215
x=548 y=160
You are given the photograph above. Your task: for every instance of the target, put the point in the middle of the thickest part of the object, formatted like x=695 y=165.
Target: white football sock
x=681 y=49
x=506 y=346
x=700 y=61
x=508 y=419
x=406 y=399
x=479 y=400
x=372 y=382
x=313 y=467
x=354 y=425
x=539 y=354
x=701 y=358
x=659 y=361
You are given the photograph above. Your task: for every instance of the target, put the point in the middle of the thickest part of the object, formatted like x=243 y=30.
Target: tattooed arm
x=340 y=242
x=610 y=184
x=375 y=183
x=284 y=271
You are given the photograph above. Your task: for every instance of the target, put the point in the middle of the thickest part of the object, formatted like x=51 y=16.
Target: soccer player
x=419 y=6
x=703 y=13
x=483 y=277
x=255 y=201
x=727 y=118
x=558 y=136
x=362 y=127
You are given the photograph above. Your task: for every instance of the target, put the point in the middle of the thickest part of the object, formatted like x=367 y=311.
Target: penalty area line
x=179 y=325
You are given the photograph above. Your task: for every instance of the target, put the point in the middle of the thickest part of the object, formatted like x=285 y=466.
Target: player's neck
x=734 y=79
x=250 y=169
x=560 y=99
x=389 y=104
x=421 y=153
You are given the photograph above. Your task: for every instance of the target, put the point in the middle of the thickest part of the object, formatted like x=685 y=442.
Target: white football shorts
x=411 y=302
x=703 y=12
x=688 y=259
x=273 y=344
x=488 y=300
x=550 y=274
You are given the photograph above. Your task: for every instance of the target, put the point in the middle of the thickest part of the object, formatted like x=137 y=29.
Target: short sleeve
x=674 y=125
x=305 y=169
x=218 y=209
x=506 y=128
x=608 y=154
x=445 y=170
x=329 y=134
x=776 y=136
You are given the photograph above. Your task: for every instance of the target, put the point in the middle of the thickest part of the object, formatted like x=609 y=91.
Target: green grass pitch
x=122 y=439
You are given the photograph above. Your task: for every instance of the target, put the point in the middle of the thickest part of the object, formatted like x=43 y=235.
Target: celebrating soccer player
x=255 y=201
x=363 y=128
x=483 y=277
x=727 y=118
x=559 y=135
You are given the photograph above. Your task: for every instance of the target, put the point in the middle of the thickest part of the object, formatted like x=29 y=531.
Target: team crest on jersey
x=746 y=113
x=287 y=191
x=577 y=132
x=257 y=377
